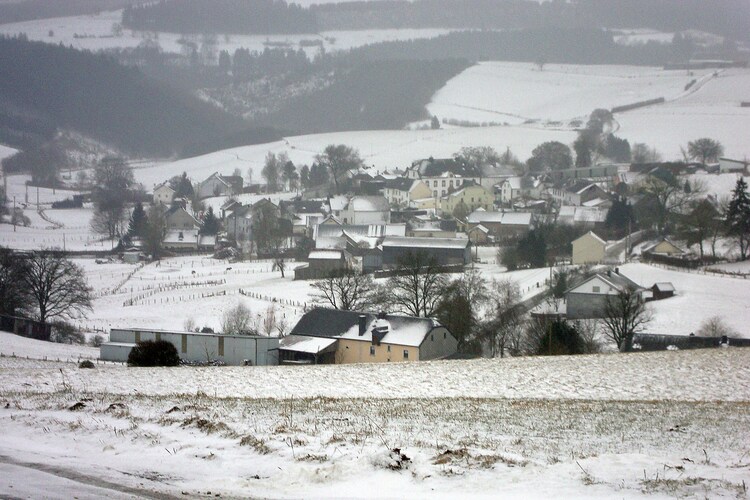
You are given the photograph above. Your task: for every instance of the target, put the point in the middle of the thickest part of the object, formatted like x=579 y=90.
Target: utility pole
x=13 y=217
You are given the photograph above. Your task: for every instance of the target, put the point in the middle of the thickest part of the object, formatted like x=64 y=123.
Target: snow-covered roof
x=664 y=287
x=333 y=324
x=301 y=343
x=338 y=202
x=514 y=218
x=325 y=255
x=570 y=214
x=369 y=204
x=394 y=241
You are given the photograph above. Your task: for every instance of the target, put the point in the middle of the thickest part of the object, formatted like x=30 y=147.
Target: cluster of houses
x=441 y=206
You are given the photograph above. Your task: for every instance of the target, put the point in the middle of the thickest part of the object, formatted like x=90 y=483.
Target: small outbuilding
x=234 y=350
x=662 y=291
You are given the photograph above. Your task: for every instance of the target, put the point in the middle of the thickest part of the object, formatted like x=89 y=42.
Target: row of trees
x=331 y=166
x=481 y=314
x=43 y=284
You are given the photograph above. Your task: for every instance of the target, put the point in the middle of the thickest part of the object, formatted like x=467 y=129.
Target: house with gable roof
x=402 y=192
x=501 y=225
x=587 y=300
x=220 y=185
x=336 y=336
x=163 y=194
x=471 y=195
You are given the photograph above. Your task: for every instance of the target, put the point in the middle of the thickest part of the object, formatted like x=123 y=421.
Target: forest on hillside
x=25 y=10
x=45 y=87
x=541 y=45
x=724 y=17
x=369 y=96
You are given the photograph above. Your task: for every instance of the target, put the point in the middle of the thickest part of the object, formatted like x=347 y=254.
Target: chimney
x=380 y=329
x=609 y=272
x=617 y=270
x=362 y=324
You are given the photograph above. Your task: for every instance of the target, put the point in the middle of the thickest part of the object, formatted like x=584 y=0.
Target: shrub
x=154 y=353
x=96 y=341
x=65 y=333
x=86 y=364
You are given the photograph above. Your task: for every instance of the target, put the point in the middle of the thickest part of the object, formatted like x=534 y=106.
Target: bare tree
x=625 y=314
x=504 y=328
x=57 y=286
x=418 y=286
x=339 y=159
x=237 y=321
x=705 y=149
x=715 y=326
x=268 y=321
x=113 y=180
x=155 y=230
x=346 y=290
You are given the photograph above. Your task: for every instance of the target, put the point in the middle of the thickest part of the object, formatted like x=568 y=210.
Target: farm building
x=336 y=336
x=502 y=224
x=236 y=350
x=662 y=291
x=446 y=251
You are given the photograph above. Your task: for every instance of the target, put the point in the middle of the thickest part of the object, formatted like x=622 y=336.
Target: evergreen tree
x=211 y=223
x=738 y=217
x=619 y=216
x=304 y=176
x=138 y=222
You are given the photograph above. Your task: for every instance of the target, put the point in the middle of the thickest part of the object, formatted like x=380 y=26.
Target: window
x=137 y=337
x=389 y=350
x=221 y=346
x=406 y=353
x=443 y=183
x=596 y=289
x=372 y=350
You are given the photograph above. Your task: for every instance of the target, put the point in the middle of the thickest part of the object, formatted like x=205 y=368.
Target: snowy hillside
x=517 y=92
x=383 y=149
x=514 y=93
x=94 y=32
x=698 y=297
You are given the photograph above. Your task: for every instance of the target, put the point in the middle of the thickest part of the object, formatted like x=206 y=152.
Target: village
x=394 y=265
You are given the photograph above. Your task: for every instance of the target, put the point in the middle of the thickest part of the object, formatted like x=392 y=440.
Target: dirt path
x=85 y=481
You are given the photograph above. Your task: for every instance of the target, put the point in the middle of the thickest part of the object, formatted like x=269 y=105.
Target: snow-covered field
x=698 y=296
x=68 y=229
x=202 y=288
x=94 y=32
x=655 y=424
x=713 y=110
x=515 y=93
x=518 y=92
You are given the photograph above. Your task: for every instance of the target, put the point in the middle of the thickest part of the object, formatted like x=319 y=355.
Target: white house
x=360 y=210
x=163 y=194
x=220 y=185
x=588 y=299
